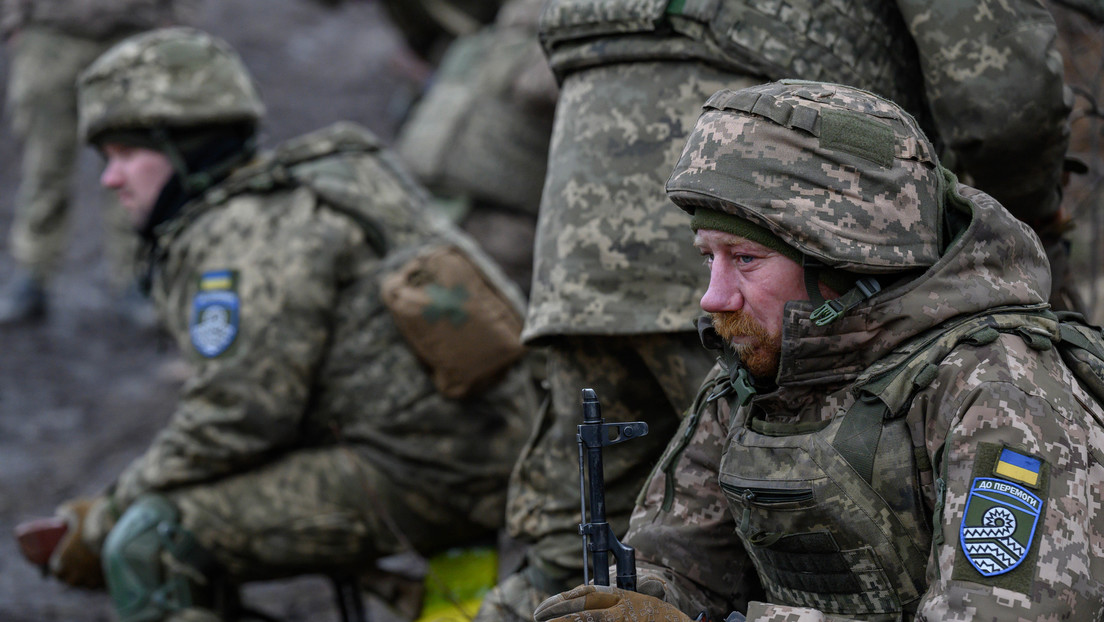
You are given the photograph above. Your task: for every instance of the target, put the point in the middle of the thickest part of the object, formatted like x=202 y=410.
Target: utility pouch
x=454 y=318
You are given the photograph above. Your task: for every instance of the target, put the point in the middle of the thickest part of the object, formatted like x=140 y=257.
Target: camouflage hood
x=996 y=261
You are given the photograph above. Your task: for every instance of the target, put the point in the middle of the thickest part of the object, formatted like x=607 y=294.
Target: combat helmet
x=843 y=176
x=173 y=77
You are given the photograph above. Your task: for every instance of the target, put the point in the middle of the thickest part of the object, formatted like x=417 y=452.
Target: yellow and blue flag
x=1018 y=467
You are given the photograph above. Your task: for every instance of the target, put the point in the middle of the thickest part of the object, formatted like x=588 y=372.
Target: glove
x=72 y=561
x=602 y=603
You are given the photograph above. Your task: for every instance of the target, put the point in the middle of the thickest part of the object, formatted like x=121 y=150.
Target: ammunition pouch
x=455 y=317
x=154 y=566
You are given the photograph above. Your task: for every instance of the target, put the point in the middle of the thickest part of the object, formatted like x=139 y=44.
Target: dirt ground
x=82 y=394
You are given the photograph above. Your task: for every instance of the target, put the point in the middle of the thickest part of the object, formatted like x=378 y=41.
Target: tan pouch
x=457 y=322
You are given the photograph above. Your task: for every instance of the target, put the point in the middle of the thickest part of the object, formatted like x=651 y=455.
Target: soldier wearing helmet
x=614 y=292
x=889 y=433
x=357 y=390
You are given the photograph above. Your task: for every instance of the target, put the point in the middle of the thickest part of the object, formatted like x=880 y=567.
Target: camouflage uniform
x=311 y=436
x=56 y=40
x=320 y=377
x=762 y=499
x=612 y=259
x=479 y=137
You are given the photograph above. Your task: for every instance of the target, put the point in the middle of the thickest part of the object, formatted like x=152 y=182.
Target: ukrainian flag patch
x=1018 y=467
x=216 y=313
x=1004 y=511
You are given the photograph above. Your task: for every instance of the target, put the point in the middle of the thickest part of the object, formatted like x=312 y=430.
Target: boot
x=23 y=300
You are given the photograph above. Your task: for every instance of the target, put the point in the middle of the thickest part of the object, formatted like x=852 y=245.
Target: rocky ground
x=82 y=394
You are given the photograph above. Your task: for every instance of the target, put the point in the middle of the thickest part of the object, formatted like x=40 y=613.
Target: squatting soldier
x=51 y=42
x=615 y=291
x=356 y=390
x=891 y=432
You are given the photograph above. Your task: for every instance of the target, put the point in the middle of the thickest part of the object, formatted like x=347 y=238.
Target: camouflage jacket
x=988 y=71
x=755 y=502
x=272 y=288
x=983 y=77
x=95 y=19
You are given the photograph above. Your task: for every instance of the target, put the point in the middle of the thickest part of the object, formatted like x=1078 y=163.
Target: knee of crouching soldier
x=153 y=566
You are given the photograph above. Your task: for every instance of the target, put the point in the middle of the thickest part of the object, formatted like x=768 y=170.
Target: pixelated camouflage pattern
x=691 y=535
x=983 y=77
x=648 y=378
x=318 y=380
x=611 y=255
x=42 y=107
x=994 y=83
x=174 y=77
x=95 y=19
x=861 y=42
x=317 y=509
x=838 y=173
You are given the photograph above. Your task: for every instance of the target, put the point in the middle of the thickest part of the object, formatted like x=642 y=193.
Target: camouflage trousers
x=649 y=378
x=42 y=103
x=319 y=511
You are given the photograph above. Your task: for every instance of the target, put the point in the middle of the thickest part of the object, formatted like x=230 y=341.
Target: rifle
x=598 y=536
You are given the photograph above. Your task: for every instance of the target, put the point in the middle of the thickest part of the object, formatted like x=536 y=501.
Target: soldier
x=356 y=391
x=890 y=432
x=50 y=42
x=479 y=137
x=614 y=290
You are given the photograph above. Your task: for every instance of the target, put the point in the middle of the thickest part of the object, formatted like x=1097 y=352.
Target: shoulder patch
x=998 y=525
x=1000 y=520
x=215 y=313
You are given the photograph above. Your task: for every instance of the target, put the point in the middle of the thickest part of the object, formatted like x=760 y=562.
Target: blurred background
x=82 y=394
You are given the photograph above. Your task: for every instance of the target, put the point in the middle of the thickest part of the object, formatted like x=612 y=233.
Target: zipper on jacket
x=764 y=497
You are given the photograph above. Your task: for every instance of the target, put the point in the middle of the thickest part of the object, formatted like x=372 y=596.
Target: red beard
x=762 y=353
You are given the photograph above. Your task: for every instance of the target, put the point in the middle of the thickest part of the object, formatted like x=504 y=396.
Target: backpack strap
x=299 y=163
x=1082 y=350
x=885 y=390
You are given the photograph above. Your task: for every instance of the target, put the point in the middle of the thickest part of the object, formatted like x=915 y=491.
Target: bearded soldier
x=891 y=432
x=615 y=291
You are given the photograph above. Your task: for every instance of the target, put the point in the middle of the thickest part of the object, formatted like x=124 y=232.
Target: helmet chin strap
x=198 y=181
x=829 y=311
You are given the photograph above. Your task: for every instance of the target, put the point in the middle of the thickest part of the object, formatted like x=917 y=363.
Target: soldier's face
x=136 y=174
x=749 y=286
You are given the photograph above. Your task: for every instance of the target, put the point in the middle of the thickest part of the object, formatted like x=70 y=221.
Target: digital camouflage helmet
x=843 y=176
x=168 y=78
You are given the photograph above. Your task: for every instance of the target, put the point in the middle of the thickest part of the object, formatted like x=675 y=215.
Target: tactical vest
x=864 y=43
x=820 y=507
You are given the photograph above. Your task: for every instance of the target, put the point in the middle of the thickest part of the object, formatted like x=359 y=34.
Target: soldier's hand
x=72 y=561
x=601 y=603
